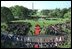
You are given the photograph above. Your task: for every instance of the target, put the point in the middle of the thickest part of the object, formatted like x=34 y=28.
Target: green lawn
x=42 y=22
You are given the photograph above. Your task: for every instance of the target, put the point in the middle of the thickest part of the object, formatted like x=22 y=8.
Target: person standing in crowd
x=56 y=42
x=28 y=39
x=44 y=43
x=50 y=43
x=56 y=39
x=53 y=43
x=63 y=40
x=36 y=45
x=37 y=30
x=55 y=29
x=60 y=39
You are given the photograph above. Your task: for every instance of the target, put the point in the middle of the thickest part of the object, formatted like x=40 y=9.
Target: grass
x=43 y=22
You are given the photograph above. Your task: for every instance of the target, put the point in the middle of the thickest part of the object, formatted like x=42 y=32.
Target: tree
x=32 y=12
x=69 y=9
x=45 y=12
x=63 y=11
x=6 y=15
x=56 y=13
x=19 y=11
x=51 y=13
x=67 y=15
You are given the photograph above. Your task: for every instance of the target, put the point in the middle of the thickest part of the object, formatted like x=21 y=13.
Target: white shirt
x=56 y=44
x=60 y=39
x=56 y=39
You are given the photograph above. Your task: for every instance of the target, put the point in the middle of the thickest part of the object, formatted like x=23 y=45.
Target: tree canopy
x=6 y=14
x=19 y=11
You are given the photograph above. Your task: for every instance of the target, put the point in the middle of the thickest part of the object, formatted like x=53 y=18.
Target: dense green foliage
x=32 y=12
x=6 y=15
x=56 y=13
x=19 y=12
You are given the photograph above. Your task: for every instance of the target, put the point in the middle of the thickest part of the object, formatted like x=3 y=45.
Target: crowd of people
x=56 y=29
x=20 y=28
x=20 y=40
